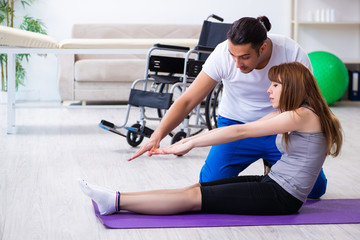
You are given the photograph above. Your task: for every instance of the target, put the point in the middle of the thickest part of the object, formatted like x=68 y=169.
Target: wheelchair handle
x=204 y=48
x=215 y=17
x=171 y=47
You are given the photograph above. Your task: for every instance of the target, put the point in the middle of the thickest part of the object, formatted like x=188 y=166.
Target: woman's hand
x=180 y=148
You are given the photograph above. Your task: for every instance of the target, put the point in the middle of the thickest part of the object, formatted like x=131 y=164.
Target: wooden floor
x=40 y=199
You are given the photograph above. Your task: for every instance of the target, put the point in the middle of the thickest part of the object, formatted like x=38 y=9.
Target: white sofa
x=84 y=77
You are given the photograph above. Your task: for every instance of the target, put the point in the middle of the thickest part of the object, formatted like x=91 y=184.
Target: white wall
x=60 y=15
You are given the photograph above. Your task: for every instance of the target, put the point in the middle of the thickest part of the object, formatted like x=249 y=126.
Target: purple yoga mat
x=329 y=211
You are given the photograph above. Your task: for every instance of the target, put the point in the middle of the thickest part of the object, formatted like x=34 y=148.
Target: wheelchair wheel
x=178 y=136
x=211 y=106
x=133 y=138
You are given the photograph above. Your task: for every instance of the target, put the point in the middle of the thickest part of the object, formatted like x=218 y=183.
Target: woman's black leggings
x=248 y=195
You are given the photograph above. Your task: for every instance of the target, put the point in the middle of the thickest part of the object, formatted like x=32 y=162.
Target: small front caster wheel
x=133 y=138
x=178 y=136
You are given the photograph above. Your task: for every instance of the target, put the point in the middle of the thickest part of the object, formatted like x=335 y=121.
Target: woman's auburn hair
x=300 y=88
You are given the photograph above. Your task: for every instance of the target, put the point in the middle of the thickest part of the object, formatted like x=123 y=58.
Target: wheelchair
x=166 y=78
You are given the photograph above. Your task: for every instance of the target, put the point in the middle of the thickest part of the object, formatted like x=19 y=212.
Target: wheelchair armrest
x=171 y=47
x=204 y=48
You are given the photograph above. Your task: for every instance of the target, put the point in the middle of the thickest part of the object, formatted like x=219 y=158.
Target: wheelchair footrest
x=140 y=98
x=110 y=127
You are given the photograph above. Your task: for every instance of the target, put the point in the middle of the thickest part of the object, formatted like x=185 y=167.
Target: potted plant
x=7 y=15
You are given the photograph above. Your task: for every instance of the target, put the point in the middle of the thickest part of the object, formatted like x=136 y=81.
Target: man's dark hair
x=249 y=30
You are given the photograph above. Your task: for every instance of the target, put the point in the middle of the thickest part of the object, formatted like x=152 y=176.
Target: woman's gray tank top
x=300 y=164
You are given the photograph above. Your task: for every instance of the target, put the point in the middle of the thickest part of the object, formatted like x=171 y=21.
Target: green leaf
x=28 y=3
x=20 y=74
x=33 y=25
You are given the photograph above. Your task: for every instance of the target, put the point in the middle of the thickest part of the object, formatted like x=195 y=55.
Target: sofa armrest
x=65 y=76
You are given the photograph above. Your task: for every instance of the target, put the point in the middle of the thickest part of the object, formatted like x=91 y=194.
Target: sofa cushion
x=110 y=91
x=109 y=70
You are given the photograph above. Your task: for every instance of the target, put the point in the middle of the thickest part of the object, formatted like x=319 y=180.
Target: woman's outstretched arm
x=278 y=123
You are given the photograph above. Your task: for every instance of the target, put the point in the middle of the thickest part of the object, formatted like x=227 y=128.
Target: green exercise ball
x=331 y=74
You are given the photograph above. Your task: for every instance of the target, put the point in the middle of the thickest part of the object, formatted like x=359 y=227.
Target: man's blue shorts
x=229 y=159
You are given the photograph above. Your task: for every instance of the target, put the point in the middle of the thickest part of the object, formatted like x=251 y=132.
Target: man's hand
x=145 y=148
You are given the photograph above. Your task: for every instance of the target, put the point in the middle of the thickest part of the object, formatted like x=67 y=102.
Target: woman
x=307 y=132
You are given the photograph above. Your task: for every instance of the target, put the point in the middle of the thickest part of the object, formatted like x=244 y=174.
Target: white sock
x=106 y=200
